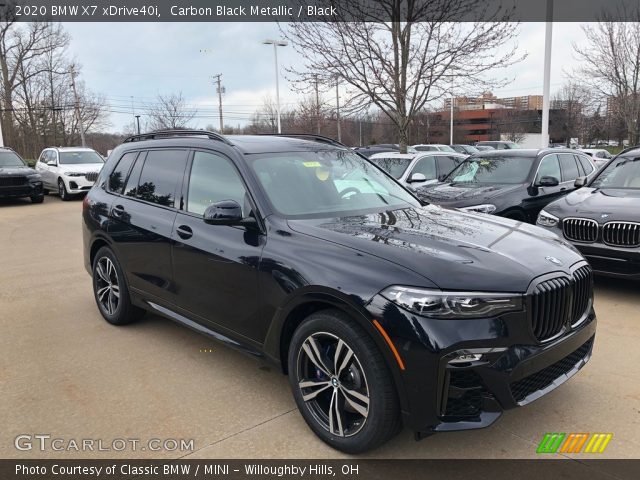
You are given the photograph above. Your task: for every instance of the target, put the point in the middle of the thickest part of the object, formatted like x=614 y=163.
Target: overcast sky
x=142 y=60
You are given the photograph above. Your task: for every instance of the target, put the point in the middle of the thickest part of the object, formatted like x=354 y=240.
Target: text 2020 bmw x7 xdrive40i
x=381 y=310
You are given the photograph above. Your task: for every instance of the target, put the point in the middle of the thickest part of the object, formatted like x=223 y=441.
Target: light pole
x=547 y=76
x=276 y=44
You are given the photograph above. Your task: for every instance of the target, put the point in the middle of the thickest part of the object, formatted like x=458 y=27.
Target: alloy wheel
x=61 y=190
x=333 y=384
x=107 y=286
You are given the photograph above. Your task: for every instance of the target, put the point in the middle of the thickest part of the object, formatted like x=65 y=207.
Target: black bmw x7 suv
x=383 y=312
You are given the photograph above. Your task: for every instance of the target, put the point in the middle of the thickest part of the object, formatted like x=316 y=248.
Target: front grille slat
x=91 y=177
x=13 y=181
x=621 y=234
x=560 y=302
x=580 y=229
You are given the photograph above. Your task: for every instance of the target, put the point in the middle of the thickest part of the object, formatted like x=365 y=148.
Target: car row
x=381 y=309
x=67 y=170
x=419 y=170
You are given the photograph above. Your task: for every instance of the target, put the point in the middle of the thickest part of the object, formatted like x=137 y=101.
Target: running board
x=187 y=322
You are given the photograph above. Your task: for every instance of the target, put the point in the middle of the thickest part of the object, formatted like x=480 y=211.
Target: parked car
x=599 y=156
x=466 y=149
x=416 y=171
x=432 y=147
x=254 y=241
x=69 y=170
x=515 y=184
x=498 y=145
x=17 y=179
x=483 y=148
x=602 y=218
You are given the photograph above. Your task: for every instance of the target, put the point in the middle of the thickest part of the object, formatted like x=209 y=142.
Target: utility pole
x=220 y=90
x=315 y=77
x=338 y=110
x=77 y=105
x=451 y=114
x=360 y=131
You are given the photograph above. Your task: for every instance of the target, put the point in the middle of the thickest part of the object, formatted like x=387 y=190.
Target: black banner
x=320 y=469
x=317 y=10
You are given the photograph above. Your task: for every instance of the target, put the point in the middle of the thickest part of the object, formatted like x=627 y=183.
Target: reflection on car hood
x=8 y=171
x=603 y=205
x=82 y=167
x=452 y=249
x=463 y=194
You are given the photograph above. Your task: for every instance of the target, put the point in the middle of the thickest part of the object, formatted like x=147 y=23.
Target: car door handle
x=117 y=211
x=184 y=232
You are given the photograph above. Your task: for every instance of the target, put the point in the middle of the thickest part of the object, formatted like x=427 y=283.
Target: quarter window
x=161 y=174
x=119 y=174
x=213 y=178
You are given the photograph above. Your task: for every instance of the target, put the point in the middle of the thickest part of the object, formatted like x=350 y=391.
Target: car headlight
x=546 y=219
x=485 y=208
x=446 y=305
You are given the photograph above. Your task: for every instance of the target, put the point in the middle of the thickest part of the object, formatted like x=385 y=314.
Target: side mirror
x=52 y=163
x=580 y=182
x=226 y=212
x=548 y=182
x=417 y=177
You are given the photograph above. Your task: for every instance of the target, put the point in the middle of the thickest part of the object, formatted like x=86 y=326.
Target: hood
x=604 y=205
x=464 y=194
x=454 y=250
x=17 y=171
x=82 y=167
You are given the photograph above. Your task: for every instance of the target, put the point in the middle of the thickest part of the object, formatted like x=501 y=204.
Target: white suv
x=69 y=170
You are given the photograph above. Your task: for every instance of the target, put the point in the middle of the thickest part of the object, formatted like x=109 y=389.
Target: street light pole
x=546 y=89
x=451 y=115
x=276 y=44
x=138 y=122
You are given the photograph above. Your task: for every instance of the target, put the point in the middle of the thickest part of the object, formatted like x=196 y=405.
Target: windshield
x=10 y=159
x=393 y=166
x=623 y=172
x=77 y=158
x=326 y=183
x=511 y=170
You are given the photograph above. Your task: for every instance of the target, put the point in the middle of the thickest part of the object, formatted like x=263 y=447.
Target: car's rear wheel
x=62 y=191
x=341 y=383
x=110 y=290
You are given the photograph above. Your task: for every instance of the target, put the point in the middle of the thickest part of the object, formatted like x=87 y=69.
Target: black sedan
x=602 y=219
x=515 y=184
x=17 y=179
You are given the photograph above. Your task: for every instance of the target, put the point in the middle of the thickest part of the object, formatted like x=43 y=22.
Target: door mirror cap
x=417 y=177
x=547 y=181
x=52 y=163
x=580 y=182
x=225 y=212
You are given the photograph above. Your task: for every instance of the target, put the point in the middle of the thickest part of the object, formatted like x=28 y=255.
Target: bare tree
x=170 y=112
x=611 y=60
x=400 y=54
x=572 y=101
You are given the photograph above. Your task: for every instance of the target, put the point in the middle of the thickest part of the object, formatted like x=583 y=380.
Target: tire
x=45 y=191
x=110 y=290
x=364 y=420
x=37 y=199
x=62 y=191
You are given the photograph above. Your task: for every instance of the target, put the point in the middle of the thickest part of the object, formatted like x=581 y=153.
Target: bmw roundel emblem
x=604 y=215
x=554 y=260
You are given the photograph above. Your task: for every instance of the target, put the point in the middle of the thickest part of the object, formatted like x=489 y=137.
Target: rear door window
x=569 y=167
x=161 y=176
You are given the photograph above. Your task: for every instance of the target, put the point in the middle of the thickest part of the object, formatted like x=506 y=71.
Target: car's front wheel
x=110 y=290
x=62 y=191
x=342 y=384
x=37 y=199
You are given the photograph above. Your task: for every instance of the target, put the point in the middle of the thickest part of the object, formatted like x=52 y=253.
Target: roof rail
x=176 y=133
x=307 y=136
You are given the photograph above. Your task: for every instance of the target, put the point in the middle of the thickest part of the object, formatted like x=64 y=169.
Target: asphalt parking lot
x=65 y=372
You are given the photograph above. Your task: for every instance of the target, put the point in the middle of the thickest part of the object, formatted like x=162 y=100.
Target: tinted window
x=393 y=166
x=213 y=178
x=587 y=168
x=569 y=168
x=510 y=170
x=549 y=167
x=119 y=174
x=446 y=164
x=10 y=159
x=132 y=183
x=162 y=172
x=427 y=167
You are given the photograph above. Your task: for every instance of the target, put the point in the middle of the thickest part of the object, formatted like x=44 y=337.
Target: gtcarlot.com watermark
x=45 y=442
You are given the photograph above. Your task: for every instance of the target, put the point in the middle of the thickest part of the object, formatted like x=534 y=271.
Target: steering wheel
x=349 y=190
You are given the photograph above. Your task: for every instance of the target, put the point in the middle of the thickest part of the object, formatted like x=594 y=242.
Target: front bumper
x=77 y=185
x=515 y=370
x=31 y=189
